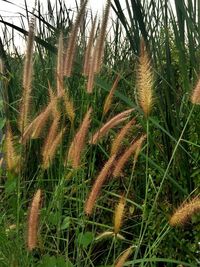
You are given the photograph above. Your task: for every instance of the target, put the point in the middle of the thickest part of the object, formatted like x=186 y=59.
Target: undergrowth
x=100 y=139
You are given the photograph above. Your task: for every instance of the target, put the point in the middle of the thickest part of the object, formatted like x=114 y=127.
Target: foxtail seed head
x=27 y=77
x=145 y=81
x=185 y=212
x=101 y=178
x=109 y=98
x=118 y=215
x=122 y=259
x=110 y=124
x=195 y=97
x=33 y=220
x=77 y=145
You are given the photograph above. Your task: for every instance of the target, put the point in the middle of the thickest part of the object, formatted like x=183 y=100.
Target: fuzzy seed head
x=12 y=159
x=118 y=215
x=119 y=138
x=185 y=212
x=101 y=178
x=33 y=220
x=77 y=145
x=122 y=259
x=110 y=124
x=145 y=81
x=195 y=97
x=109 y=98
x=134 y=148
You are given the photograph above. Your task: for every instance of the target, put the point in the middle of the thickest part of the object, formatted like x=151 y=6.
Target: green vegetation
x=101 y=137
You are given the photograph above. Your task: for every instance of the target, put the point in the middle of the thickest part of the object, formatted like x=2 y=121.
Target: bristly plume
x=27 y=77
x=51 y=137
x=119 y=138
x=96 y=188
x=145 y=81
x=101 y=38
x=110 y=124
x=51 y=150
x=91 y=72
x=77 y=145
x=109 y=98
x=184 y=213
x=118 y=215
x=89 y=49
x=12 y=159
x=71 y=47
x=122 y=259
x=126 y=155
x=33 y=221
x=60 y=71
x=69 y=106
x=195 y=97
x=35 y=128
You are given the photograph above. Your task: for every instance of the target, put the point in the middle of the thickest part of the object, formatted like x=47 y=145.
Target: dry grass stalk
x=51 y=150
x=60 y=71
x=119 y=138
x=27 y=78
x=71 y=47
x=195 y=97
x=33 y=221
x=126 y=155
x=109 y=98
x=12 y=159
x=77 y=145
x=34 y=129
x=96 y=188
x=101 y=38
x=118 y=215
x=122 y=259
x=87 y=59
x=110 y=124
x=145 y=81
x=185 y=212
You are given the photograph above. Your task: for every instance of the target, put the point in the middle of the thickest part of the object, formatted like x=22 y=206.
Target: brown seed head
x=71 y=47
x=119 y=138
x=101 y=178
x=33 y=220
x=122 y=259
x=110 y=124
x=135 y=147
x=118 y=215
x=27 y=77
x=145 y=81
x=185 y=212
x=109 y=98
x=77 y=145
x=195 y=97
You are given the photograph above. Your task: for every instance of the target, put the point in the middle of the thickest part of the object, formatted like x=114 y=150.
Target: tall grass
x=131 y=141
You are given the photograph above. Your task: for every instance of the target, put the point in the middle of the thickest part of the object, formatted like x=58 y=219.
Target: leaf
x=65 y=224
x=84 y=239
x=52 y=261
x=10 y=186
x=2 y=123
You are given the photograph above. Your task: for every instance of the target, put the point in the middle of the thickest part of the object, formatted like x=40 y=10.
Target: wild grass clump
x=105 y=168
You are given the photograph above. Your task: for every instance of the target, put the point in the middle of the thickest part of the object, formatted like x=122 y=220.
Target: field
x=100 y=130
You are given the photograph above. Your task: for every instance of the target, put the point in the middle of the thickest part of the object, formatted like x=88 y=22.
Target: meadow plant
x=78 y=150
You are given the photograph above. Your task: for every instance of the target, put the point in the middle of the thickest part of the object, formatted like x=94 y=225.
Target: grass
x=66 y=198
